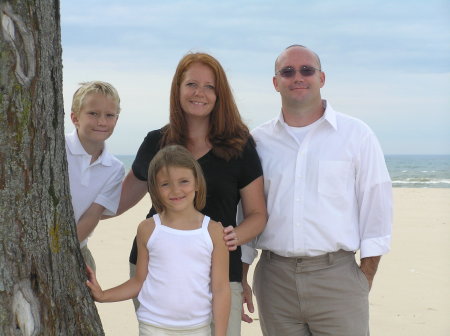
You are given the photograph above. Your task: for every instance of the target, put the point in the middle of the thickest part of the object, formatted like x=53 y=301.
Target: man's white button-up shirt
x=332 y=191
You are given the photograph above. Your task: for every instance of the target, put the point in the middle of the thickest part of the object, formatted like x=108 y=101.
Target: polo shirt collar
x=76 y=148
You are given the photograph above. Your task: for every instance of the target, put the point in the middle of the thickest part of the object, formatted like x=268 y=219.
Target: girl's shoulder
x=145 y=229
x=215 y=230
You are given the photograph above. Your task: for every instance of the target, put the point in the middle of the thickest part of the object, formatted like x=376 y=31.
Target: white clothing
x=146 y=329
x=330 y=192
x=99 y=182
x=177 y=290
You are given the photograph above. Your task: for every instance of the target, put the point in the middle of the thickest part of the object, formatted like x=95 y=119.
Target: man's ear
x=322 y=79
x=275 y=83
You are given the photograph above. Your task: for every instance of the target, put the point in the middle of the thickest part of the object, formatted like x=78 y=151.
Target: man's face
x=298 y=88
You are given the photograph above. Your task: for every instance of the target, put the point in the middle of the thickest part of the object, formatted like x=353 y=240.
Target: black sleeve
x=251 y=165
x=148 y=149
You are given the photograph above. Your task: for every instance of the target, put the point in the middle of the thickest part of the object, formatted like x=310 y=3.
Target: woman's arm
x=255 y=215
x=130 y=288
x=220 y=284
x=133 y=190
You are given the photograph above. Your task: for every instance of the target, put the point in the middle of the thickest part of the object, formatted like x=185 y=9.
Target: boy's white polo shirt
x=99 y=182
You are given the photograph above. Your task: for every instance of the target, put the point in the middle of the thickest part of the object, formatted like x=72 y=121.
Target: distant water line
x=406 y=171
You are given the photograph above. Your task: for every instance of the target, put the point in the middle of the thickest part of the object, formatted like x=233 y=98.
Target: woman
x=205 y=119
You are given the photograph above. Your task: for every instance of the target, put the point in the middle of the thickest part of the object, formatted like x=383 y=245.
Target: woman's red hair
x=227 y=132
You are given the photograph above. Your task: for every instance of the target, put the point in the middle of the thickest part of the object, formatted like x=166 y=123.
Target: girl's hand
x=96 y=290
x=230 y=237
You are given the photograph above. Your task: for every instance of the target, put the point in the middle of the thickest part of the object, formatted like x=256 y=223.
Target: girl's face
x=197 y=91
x=176 y=187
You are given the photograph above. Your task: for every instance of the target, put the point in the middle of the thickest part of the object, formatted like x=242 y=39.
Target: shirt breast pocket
x=334 y=177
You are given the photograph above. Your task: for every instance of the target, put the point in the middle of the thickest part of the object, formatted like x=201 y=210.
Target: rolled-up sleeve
x=374 y=193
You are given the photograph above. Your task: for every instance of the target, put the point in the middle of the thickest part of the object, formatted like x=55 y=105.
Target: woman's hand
x=231 y=238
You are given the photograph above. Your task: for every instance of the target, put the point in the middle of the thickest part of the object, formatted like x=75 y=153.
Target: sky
x=386 y=62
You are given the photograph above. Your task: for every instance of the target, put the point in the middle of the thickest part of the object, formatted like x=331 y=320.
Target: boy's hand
x=96 y=290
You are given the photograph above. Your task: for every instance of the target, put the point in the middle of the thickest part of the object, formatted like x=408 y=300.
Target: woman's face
x=198 y=91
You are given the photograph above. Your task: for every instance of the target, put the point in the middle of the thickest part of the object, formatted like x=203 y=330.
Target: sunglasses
x=305 y=70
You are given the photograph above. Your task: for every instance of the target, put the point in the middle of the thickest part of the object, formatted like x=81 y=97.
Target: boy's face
x=97 y=118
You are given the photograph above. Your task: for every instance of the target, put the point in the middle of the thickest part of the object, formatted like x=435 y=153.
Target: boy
x=95 y=175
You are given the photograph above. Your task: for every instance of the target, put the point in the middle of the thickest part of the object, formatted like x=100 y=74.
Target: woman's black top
x=223 y=178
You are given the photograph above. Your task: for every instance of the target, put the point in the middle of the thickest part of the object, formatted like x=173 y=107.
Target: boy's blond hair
x=175 y=156
x=88 y=88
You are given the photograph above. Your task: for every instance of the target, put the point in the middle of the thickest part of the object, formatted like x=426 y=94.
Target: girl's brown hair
x=227 y=132
x=175 y=156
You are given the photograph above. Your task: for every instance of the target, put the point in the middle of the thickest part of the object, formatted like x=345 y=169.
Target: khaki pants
x=151 y=330
x=324 y=295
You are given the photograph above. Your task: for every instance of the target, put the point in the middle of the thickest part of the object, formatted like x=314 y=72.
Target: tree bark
x=42 y=275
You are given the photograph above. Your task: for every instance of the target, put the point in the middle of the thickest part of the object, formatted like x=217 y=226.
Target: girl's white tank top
x=177 y=290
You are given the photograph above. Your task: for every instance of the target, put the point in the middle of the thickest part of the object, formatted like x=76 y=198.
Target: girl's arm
x=130 y=288
x=255 y=215
x=220 y=284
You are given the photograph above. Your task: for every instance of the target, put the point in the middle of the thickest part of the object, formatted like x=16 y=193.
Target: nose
x=298 y=76
x=199 y=91
x=101 y=120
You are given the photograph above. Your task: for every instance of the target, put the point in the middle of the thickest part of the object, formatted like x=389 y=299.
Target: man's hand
x=247 y=299
x=369 y=267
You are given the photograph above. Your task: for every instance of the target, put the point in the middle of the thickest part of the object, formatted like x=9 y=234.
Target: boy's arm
x=89 y=220
x=220 y=283
x=132 y=287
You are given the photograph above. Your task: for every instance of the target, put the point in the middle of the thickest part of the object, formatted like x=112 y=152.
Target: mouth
x=197 y=103
x=176 y=199
x=302 y=87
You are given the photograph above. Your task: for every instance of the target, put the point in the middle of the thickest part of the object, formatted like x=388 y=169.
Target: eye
x=111 y=115
x=307 y=70
x=164 y=184
x=210 y=87
x=92 y=114
x=287 y=72
x=191 y=84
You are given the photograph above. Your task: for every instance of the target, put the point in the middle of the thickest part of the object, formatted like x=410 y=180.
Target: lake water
x=407 y=171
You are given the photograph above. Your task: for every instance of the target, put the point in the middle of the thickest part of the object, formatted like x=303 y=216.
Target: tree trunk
x=42 y=276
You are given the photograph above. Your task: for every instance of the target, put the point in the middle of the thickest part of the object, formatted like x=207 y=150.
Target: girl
x=182 y=266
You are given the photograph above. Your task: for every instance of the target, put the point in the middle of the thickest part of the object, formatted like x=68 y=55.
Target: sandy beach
x=410 y=294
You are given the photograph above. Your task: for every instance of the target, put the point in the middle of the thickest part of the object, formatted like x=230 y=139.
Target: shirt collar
x=329 y=116
x=76 y=148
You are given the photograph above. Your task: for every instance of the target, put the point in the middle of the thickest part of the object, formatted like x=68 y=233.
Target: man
x=328 y=195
